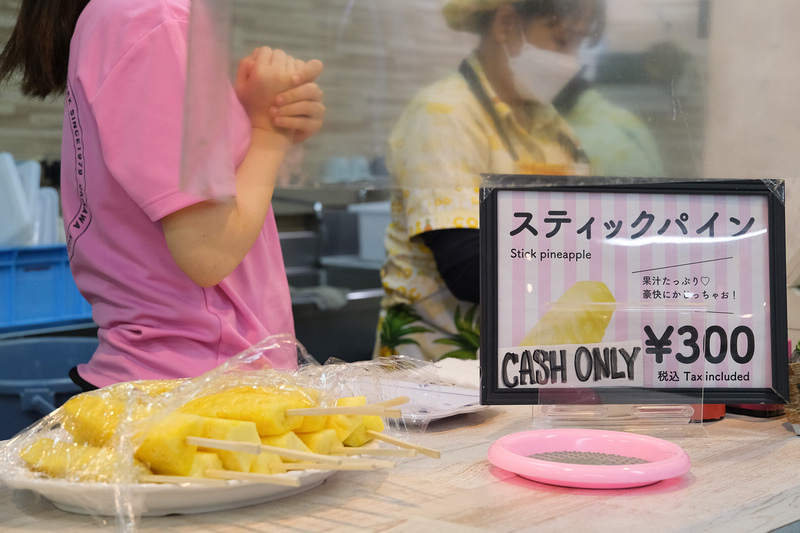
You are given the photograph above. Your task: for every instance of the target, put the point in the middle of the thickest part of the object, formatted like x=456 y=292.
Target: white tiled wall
x=753 y=108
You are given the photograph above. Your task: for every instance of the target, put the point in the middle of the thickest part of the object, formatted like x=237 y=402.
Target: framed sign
x=633 y=290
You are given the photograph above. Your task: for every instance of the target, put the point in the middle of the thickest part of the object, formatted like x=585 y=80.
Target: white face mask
x=541 y=74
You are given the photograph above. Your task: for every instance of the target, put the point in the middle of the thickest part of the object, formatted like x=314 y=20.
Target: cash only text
x=593 y=365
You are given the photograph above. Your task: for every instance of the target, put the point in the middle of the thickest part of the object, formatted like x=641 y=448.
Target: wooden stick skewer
x=436 y=454
x=394 y=402
x=375 y=410
x=354 y=465
x=377 y=463
x=247 y=476
x=367 y=450
x=180 y=480
x=251 y=447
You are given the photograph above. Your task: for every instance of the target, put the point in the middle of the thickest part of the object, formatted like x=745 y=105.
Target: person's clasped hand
x=301 y=108
x=279 y=94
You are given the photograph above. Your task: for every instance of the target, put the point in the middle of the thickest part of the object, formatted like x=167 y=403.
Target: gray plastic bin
x=34 y=377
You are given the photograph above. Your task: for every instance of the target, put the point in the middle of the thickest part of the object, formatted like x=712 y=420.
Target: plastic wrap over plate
x=155 y=499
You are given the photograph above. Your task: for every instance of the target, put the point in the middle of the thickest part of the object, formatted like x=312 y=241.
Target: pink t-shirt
x=121 y=160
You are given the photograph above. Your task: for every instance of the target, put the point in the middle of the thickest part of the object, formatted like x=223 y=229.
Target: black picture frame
x=772 y=191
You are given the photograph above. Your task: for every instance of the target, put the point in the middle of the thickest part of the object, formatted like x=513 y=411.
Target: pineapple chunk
x=302 y=399
x=203 y=461
x=75 y=461
x=92 y=419
x=288 y=440
x=321 y=441
x=265 y=463
x=578 y=317
x=233 y=430
x=352 y=401
x=165 y=449
x=312 y=423
x=358 y=436
x=50 y=457
x=157 y=387
x=268 y=411
x=346 y=425
x=375 y=423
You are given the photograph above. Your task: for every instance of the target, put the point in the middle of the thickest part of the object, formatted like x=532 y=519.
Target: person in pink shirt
x=178 y=283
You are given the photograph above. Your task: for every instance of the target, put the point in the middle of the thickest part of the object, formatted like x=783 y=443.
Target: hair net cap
x=463 y=15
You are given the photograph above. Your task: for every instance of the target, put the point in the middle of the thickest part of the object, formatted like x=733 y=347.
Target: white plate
x=433 y=402
x=153 y=499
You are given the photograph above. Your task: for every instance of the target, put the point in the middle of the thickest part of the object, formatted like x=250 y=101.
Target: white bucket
x=373 y=218
x=47 y=216
x=16 y=217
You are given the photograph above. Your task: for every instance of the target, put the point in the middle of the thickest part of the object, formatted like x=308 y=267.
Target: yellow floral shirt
x=437 y=151
x=616 y=141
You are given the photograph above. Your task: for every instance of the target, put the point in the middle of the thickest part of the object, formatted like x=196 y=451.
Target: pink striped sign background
x=736 y=265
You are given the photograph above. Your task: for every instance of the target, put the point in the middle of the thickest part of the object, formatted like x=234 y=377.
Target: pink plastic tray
x=657 y=459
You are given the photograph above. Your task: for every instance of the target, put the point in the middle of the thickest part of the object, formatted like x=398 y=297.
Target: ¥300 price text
x=715 y=344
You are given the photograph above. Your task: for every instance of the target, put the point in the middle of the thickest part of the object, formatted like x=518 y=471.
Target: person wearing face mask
x=492 y=116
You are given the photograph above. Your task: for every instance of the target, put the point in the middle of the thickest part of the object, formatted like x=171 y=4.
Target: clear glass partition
x=703 y=89
x=679 y=66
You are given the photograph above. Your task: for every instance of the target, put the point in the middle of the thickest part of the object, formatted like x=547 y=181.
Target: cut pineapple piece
x=344 y=425
x=48 y=456
x=157 y=387
x=321 y=441
x=359 y=436
x=349 y=427
x=78 y=462
x=204 y=461
x=92 y=419
x=578 y=317
x=352 y=401
x=165 y=449
x=299 y=398
x=375 y=423
x=268 y=411
x=303 y=399
x=233 y=430
x=312 y=423
x=288 y=440
x=265 y=463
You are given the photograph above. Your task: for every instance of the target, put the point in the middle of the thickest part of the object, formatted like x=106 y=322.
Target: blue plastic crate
x=37 y=290
x=34 y=377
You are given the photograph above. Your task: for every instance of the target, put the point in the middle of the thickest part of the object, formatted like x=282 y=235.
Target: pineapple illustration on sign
x=580 y=316
x=396 y=329
x=467 y=338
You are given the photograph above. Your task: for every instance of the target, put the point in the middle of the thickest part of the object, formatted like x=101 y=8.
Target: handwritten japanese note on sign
x=632 y=289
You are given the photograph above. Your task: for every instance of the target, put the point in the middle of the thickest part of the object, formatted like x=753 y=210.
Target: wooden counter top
x=745 y=476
